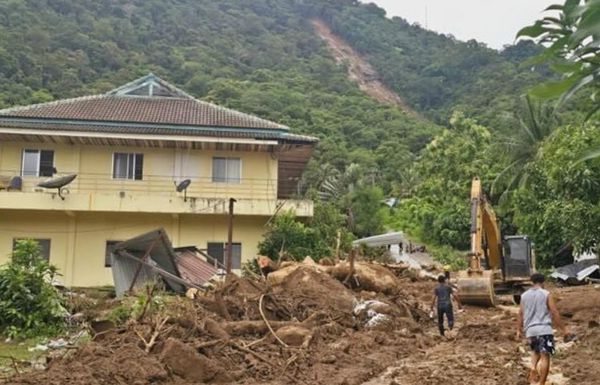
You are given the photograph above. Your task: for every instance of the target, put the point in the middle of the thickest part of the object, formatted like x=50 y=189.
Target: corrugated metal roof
x=192 y=267
x=137 y=103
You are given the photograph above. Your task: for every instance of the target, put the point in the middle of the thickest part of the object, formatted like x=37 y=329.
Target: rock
x=185 y=362
x=215 y=330
x=341 y=346
x=294 y=335
x=329 y=359
x=191 y=293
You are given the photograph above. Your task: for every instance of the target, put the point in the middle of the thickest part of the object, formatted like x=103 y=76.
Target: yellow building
x=130 y=148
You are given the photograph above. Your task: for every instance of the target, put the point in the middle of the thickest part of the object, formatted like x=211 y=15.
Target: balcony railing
x=154 y=185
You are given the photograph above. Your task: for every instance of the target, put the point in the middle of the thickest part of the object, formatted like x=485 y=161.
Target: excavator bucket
x=476 y=288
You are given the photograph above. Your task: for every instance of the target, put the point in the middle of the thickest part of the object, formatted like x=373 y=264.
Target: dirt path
x=486 y=352
x=359 y=70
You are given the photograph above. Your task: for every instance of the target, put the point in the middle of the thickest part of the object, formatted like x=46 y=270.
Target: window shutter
x=215 y=250
x=31 y=160
x=219 y=170
x=236 y=254
x=233 y=170
x=46 y=163
x=139 y=166
x=119 y=165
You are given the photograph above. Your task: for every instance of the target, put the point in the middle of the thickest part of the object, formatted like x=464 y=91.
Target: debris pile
x=306 y=328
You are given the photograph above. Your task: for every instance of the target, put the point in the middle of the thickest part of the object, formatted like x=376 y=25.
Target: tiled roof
x=148 y=100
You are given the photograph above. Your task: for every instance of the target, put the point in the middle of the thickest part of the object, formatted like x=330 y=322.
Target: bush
x=29 y=304
x=448 y=256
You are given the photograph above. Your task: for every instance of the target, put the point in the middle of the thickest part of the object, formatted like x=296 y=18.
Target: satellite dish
x=58 y=183
x=183 y=186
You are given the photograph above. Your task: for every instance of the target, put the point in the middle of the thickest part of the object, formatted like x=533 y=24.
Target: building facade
x=145 y=155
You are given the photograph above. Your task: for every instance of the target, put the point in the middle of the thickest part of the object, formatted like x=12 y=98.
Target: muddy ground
x=222 y=338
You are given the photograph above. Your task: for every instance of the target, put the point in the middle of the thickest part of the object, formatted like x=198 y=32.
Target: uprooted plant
x=29 y=304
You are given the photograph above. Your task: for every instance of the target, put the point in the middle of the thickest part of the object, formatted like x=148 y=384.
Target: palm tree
x=536 y=122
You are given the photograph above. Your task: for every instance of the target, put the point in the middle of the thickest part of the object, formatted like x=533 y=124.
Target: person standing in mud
x=536 y=316
x=443 y=295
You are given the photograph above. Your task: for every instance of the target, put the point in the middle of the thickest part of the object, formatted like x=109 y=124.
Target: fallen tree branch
x=157 y=331
x=262 y=314
x=240 y=328
x=13 y=361
x=208 y=344
x=260 y=358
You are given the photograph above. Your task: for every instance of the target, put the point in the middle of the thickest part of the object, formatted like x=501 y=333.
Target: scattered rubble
x=310 y=328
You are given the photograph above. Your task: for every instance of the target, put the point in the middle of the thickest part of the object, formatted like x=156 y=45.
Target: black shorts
x=542 y=344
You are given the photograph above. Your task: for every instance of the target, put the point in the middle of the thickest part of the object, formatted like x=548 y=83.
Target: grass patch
x=17 y=350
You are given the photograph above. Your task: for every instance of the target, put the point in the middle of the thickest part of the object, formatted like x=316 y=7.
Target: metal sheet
x=577 y=272
x=382 y=240
x=161 y=254
x=123 y=271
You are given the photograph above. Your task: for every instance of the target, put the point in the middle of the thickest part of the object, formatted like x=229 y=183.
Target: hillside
x=262 y=57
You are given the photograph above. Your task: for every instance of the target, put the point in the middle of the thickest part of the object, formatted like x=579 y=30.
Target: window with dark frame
x=227 y=170
x=217 y=250
x=128 y=166
x=38 y=163
x=110 y=247
x=42 y=242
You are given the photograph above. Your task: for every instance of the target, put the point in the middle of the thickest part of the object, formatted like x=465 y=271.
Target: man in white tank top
x=536 y=316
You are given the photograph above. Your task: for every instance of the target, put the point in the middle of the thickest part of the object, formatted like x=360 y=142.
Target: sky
x=494 y=22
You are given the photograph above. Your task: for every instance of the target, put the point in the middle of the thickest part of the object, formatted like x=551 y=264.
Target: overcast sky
x=494 y=22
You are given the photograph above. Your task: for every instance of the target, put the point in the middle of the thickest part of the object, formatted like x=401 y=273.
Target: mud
x=359 y=69
x=324 y=342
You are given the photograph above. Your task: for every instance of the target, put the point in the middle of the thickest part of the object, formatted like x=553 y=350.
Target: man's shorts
x=542 y=344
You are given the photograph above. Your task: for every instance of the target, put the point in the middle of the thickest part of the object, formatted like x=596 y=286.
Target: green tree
x=29 y=304
x=365 y=217
x=563 y=204
x=438 y=212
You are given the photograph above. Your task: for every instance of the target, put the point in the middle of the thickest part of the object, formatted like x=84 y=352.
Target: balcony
x=153 y=194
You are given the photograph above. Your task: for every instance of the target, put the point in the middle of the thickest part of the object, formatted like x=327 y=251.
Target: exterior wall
x=162 y=167
x=78 y=240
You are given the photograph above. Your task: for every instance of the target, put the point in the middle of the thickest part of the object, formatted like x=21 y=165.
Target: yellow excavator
x=496 y=265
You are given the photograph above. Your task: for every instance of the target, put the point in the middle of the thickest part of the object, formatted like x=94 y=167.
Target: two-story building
x=130 y=149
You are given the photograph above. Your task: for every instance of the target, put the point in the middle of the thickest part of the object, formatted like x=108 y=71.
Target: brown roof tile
x=148 y=100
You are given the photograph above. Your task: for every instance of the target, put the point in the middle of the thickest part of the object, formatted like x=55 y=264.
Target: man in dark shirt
x=443 y=294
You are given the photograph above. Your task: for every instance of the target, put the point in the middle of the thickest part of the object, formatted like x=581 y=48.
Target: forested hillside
x=261 y=57
x=264 y=57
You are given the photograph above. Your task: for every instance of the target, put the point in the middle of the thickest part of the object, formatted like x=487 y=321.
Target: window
x=44 y=247
x=128 y=166
x=38 y=163
x=217 y=251
x=110 y=247
x=227 y=170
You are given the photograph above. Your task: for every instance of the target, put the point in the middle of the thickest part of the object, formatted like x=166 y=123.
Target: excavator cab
x=518 y=261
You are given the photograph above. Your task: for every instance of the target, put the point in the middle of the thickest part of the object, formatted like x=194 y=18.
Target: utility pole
x=230 y=236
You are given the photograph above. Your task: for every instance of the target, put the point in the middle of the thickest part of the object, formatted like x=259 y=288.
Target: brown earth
x=221 y=338
x=359 y=69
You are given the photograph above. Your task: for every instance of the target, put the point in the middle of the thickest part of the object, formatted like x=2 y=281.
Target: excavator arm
x=486 y=241
x=476 y=284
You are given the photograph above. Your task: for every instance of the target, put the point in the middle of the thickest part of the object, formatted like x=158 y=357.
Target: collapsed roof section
x=150 y=257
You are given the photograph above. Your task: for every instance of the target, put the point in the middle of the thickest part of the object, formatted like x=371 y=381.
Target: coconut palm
x=536 y=122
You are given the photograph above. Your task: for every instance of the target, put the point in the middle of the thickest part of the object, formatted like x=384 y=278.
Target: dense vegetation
x=263 y=57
